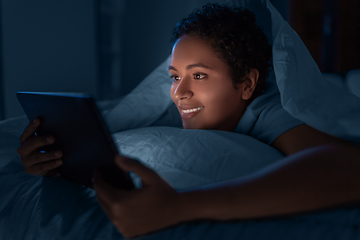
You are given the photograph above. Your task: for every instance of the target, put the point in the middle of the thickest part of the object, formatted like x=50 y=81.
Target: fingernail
x=58 y=162
x=36 y=121
x=49 y=139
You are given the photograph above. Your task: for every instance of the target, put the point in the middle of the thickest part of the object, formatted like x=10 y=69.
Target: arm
x=304 y=137
x=322 y=172
x=313 y=179
x=319 y=171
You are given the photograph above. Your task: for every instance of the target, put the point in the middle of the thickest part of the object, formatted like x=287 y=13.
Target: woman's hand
x=138 y=211
x=37 y=162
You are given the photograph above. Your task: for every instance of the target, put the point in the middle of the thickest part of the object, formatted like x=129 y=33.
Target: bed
x=54 y=208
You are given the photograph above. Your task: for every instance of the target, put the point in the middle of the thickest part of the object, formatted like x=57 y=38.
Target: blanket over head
x=54 y=208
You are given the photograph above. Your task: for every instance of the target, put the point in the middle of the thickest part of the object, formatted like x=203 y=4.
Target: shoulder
x=304 y=137
x=265 y=119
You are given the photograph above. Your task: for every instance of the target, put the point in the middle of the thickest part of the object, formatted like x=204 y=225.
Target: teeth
x=192 y=110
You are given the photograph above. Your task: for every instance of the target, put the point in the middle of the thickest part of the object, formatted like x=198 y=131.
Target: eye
x=175 y=78
x=200 y=76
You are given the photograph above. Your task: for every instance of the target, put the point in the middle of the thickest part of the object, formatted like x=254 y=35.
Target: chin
x=207 y=127
x=195 y=126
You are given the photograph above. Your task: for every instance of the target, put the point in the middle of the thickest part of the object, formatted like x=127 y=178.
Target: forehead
x=191 y=49
x=191 y=42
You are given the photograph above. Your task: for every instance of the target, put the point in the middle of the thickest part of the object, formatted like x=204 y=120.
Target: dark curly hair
x=235 y=37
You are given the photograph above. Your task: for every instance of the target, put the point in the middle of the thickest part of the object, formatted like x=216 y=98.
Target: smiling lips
x=191 y=110
x=189 y=113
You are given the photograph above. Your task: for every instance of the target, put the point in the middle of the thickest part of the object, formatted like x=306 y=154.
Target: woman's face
x=202 y=88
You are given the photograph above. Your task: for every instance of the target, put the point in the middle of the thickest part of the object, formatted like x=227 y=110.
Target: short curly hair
x=234 y=35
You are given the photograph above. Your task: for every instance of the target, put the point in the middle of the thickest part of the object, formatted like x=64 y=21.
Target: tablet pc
x=80 y=132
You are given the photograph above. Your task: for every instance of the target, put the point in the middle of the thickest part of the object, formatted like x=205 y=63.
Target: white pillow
x=190 y=158
x=305 y=94
x=145 y=104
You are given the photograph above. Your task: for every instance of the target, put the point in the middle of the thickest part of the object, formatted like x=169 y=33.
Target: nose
x=183 y=89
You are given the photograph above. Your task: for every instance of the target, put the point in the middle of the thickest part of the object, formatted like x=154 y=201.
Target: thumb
x=147 y=175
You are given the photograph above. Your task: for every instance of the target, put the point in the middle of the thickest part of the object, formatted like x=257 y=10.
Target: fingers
x=38 y=157
x=34 y=143
x=42 y=169
x=38 y=163
x=147 y=175
x=108 y=196
x=30 y=130
x=104 y=192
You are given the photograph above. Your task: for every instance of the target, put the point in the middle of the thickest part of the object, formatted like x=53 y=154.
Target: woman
x=219 y=64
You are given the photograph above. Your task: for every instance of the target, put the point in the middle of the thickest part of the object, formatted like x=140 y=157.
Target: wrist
x=187 y=208
x=205 y=204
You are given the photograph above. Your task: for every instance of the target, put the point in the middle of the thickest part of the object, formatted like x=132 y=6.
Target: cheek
x=220 y=97
x=172 y=91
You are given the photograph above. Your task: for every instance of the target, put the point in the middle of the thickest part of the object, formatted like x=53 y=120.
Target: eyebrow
x=194 y=65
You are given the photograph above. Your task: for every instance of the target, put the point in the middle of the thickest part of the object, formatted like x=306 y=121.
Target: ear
x=249 y=84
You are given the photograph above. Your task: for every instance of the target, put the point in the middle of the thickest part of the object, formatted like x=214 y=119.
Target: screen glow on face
x=202 y=87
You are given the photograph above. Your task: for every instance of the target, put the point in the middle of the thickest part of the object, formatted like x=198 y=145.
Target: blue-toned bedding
x=53 y=208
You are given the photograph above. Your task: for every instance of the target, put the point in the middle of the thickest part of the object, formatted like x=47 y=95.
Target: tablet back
x=80 y=132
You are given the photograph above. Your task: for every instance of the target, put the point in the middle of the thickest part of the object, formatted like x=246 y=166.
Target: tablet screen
x=80 y=133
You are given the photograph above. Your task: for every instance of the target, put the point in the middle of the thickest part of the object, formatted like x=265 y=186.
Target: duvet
x=54 y=208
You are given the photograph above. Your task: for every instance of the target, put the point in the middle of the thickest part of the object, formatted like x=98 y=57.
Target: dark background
x=106 y=47
x=331 y=31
